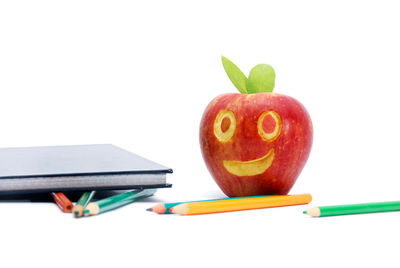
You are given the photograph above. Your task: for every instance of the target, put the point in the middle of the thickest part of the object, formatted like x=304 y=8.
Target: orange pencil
x=240 y=204
x=63 y=202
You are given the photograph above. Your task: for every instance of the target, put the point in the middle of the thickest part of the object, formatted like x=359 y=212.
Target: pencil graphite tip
x=149 y=209
x=76 y=213
x=86 y=211
x=305 y=212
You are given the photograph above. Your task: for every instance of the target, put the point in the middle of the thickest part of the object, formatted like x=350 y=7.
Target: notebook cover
x=73 y=160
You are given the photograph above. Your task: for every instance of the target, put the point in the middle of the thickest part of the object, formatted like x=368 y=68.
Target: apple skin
x=290 y=147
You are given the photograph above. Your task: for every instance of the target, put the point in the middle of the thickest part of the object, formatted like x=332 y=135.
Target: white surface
x=139 y=75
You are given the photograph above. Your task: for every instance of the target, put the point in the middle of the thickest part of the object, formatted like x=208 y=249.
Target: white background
x=140 y=74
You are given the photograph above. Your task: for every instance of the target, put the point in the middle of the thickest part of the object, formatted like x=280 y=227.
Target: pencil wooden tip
x=313 y=212
x=181 y=209
x=92 y=209
x=159 y=209
x=77 y=211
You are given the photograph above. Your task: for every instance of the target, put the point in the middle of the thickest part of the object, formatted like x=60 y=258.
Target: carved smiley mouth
x=252 y=167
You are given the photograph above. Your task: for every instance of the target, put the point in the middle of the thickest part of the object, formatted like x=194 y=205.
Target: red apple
x=255 y=144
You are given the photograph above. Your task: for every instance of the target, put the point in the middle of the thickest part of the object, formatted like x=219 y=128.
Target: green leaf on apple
x=261 y=79
x=235 y=75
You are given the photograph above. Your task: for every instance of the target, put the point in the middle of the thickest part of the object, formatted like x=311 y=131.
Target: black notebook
x=76 y=167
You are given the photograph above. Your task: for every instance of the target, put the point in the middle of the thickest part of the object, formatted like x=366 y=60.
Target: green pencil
x=116 y=201
x=82 y=203
x=353 y=209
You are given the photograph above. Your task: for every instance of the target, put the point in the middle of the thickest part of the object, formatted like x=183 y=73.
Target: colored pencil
x=82 y=203
x=62 y=202
x=166 y=207
x=240 y=204
x=353 y=209
x=116 y=201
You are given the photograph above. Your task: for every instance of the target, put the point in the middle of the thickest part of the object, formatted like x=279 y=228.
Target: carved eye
x=269 y=125
x=224 y=125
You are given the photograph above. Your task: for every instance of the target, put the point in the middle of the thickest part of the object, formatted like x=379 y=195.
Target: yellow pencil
x=240 y=204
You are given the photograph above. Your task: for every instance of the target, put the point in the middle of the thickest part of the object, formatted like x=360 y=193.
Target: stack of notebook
x=77 y=168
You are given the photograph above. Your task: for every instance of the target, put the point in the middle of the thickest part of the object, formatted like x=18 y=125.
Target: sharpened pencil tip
x=76 y=213
x=86 y=211
x=305 y=212
x=149 y=209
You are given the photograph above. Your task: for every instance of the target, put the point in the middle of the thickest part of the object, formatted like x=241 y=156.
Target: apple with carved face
x=256 y=142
